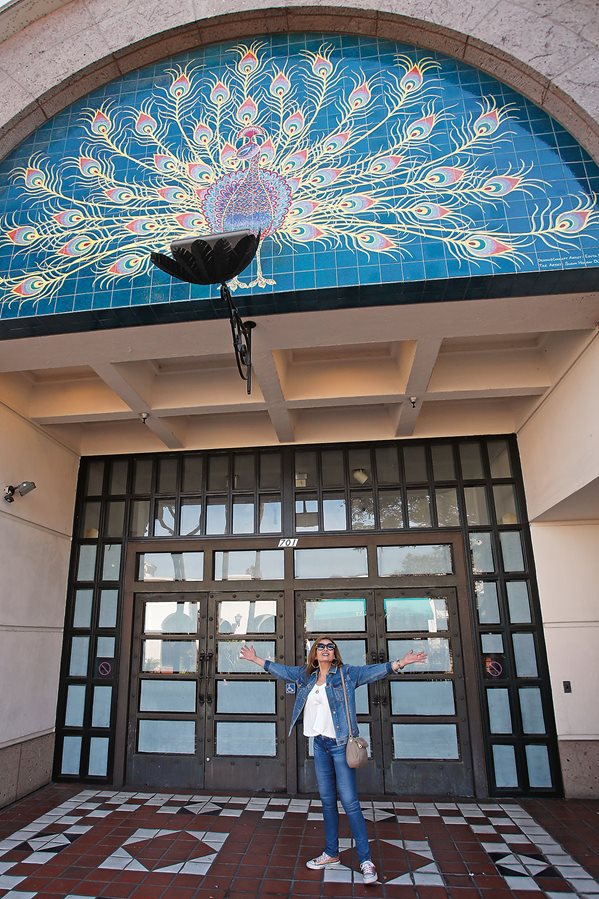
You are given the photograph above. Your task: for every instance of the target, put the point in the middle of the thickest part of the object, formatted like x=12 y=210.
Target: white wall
x=35 y=546
x=566 y=559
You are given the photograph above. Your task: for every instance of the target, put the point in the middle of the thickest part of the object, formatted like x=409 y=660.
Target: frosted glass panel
x=487 y=604
x=109 y=600
x=539 y=772
x=249 y=565
x=87 y=562
x=334 y=515
x=504 y=762
x=422 y=697
x=505 y=504
x=167 y=696
x=336 y=615
x=229 y=661
x=419 y=508
x=75 y=705
x=525 y=655
x=71 y=755
x=477 y=511
x=531 y=710
x=246 y=738
x=334 y=562
x=171 y=617
x=481 y=552
x=101 y=707
x=518 y=602
x=170 y=566
x=439 y=656
x=169 y=656
x=173 y=737
x=448 y=513
x=421 y=613
x=500 y=718
x=511 y=550
x=244 y=616
x=79 y=656
x=111 y=566
x=394 y=561
x=425 y=741
x=83 y=608
x=245 y=697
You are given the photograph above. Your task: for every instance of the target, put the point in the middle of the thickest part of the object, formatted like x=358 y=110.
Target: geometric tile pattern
x=104 y=843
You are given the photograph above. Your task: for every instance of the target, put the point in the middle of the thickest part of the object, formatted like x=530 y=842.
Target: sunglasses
x=329 y=646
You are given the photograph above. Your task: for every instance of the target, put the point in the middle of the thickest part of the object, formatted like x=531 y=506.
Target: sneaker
x=323 y=861
x=369 y=874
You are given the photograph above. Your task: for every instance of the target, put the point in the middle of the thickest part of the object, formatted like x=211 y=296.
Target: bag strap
x=349 y=731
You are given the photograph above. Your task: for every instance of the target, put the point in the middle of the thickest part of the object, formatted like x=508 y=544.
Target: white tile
x=522 y=883
x=7 y=882
x=278 y=815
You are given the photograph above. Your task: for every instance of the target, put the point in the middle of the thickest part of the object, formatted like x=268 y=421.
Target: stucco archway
x=58 y=52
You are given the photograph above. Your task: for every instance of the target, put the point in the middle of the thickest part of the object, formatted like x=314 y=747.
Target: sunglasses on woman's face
x=329 y=646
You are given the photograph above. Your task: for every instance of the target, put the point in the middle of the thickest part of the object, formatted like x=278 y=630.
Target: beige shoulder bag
x=356 y=751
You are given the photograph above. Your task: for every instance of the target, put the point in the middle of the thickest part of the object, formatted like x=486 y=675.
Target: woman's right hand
x=249 y=654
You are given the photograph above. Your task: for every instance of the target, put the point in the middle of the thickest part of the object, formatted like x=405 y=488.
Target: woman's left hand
x=411 y=658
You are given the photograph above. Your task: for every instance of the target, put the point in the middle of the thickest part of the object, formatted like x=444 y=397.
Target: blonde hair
x=312 y=663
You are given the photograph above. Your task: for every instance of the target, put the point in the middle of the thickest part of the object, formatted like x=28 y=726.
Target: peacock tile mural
x=361 y=162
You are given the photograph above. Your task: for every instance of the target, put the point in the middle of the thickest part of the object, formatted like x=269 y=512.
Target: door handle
x=209 y=676
x=382 y=656
x=377 y=698
x=374 y=657
x=201 y=660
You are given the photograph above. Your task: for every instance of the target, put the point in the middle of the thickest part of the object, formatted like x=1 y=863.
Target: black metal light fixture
x=216 y=259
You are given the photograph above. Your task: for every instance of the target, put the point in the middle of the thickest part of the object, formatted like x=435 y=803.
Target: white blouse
x=317 y=714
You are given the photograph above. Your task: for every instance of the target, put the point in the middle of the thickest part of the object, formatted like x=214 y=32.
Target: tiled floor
x=76 y=842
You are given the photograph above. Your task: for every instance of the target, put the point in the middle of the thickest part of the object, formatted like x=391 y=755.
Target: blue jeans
x=335 y=776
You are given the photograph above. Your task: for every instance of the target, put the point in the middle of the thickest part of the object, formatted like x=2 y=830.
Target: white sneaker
x=369 y=874
x=323 y=861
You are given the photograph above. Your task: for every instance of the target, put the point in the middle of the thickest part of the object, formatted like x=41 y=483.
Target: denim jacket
x=353 y=675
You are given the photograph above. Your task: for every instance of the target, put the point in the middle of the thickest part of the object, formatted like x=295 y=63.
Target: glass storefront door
x=415 y=722
x=199 y=716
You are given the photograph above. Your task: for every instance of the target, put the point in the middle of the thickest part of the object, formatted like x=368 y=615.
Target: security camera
x=22 y=489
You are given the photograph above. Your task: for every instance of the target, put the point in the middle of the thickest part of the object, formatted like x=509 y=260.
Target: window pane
x=499 y=459
x=504 y=498
x=216 y=515
x=71 y=755
x=83 y=608
x=249 y=565
x=98 y=757
x=171 y=617
x=491 y=643
x=111 y=568
x=362 y=511
x=500 y=717
x=395 y=561
x=115 y=519
x=518 y=604
x=471 y=461
x=390 y=509
x=73 y=716
x=448 y=513
x=387 y=465
x=246 y=738
x=443 y=465
x=167 y=696
x=439 y=656
x=105 y=647
x=101 y=706
x=425 y=741
x=229 y=661
x=243 y=515
x=539 y=772
x=334 y=515
x=170 y=566
x=422 y=697
x=167 y=476
x=414 y=460
x=306 y=471
x=511 y=550
x=218 y=473
x=360 y=467
x=531 y=710
x=109 y=600
x=79 y=656
x=87 y=562
x=118 y=477
x=332 y=468
x=338 y=562
x=193 y=470
x=504 y=762
x=270 y=471
x=140 y=518
x=335 y=615
x=170 y=737
x=422 y=613
x=419 y=509
x=245 y=697
x=164 y=517
x=481 y=551
x=244 y=616
x=487 y=604
x=477 y=511
x=142 y=478
x=270 y=515
x=90 y=520
x=306 y=513
x=169 y=656
x=244 y=467
x=525 y=655
x=191 y=517
x=95 y=478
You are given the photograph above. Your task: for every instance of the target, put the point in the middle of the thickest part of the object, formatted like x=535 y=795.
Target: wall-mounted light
x=413 y=401
x=22 y=489
x=360 y=475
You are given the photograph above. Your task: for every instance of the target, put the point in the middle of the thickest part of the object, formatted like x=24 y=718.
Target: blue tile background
x=558 y=177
